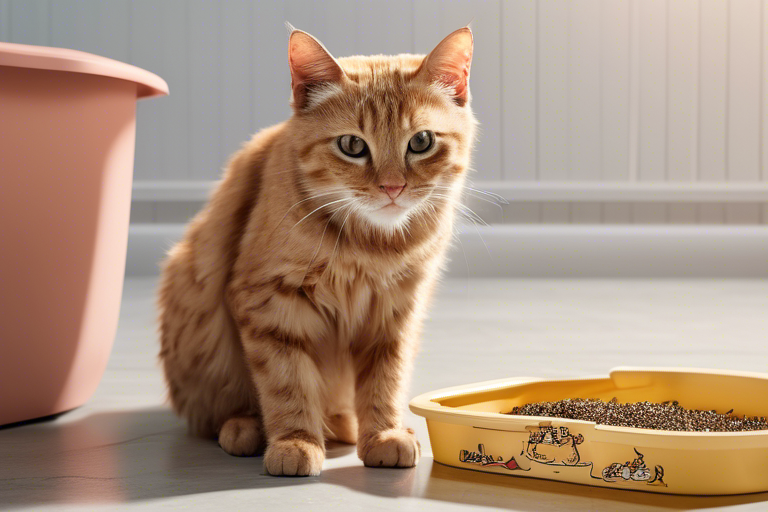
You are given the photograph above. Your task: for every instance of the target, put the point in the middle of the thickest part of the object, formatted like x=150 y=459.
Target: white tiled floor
x=126 y=449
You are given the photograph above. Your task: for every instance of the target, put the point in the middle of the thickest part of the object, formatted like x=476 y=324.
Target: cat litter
x=660 y=416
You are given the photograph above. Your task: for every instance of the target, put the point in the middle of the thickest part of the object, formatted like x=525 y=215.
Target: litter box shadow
x=146 y=454
x=447 y=483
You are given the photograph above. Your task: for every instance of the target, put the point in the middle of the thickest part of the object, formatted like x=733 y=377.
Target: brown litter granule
x=663 y=416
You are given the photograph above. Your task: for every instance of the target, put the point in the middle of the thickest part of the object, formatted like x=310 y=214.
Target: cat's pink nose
x=392 y=189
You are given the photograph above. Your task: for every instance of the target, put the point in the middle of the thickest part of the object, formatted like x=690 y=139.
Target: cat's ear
x=448 y=64
x=312 y=67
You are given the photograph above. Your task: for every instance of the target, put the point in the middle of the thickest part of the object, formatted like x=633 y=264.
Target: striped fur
x=288 y=316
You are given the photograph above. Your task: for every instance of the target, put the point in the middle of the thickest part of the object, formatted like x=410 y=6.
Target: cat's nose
x=392 y=189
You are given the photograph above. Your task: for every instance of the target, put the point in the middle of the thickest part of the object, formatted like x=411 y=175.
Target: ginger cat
x=290 y=311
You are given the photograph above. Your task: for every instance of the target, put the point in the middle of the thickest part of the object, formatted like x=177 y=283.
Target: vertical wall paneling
x=649 y=213
x=271 y=77
x=744 y=76
x=176 y=108
x=553 y=98
x=581 y=90
x=744 y=72
x=713 y=69
x=205 y=89
x=682 y=100
x=682 y=213
x=522 y=213
x=555 y=213
x=113 y=30
x=382 y=27
x=427 y=16
x=146 y=22
x=711 y=213
x=342 y=40
x=5 y=20
x=615 y=73
x=518 y=95
x=585 y=213
x=653 y=90
x=682 y=97
x=236 y=89
x=584 y=88
x=28 y=22
x=713 y=92
x=634 y=89
x=764 y=100
x=73 y=25
x=553 y=90
x=142 y=212
x=617 y=213
x=742 y=213
x=311 y=17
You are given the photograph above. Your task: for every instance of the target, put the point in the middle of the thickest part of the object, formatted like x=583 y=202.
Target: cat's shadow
x=146 y=454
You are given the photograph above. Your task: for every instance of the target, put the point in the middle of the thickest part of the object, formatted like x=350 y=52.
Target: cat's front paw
x=390 y=448
x=294 y=457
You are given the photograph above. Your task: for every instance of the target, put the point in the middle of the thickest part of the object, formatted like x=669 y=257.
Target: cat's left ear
x=448 y=64
x=312 y=67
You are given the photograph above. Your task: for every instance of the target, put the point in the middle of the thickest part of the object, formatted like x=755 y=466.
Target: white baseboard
x=557 y=250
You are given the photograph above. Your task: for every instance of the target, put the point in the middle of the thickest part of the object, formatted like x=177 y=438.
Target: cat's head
x=386 y=140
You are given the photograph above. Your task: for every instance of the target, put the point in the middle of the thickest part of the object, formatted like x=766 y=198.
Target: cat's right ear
x=312 y=67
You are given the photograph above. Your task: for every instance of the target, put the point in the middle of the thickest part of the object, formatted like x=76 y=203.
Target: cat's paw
x=242 y=436
x=390 y=448
x=294 y=457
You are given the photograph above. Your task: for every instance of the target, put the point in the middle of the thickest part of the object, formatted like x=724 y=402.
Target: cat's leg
x=382 y=441
x=288 y=380
x=343 y=427
x=242 y=436
x=339 y=402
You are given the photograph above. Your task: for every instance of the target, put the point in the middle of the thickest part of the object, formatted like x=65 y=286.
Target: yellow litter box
x=468 y=430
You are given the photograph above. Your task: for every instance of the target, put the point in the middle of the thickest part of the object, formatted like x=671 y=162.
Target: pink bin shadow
x=67 y=135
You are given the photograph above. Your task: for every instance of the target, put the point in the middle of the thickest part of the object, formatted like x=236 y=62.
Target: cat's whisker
x=315 y=196
x=320 y=244
x=338 y=237
x=477 y=230
x=499 y=198
x=468 y=190
x=322 y=194
x=471 y=218
x=463 y=206
x=347 y=199
x=433 y=213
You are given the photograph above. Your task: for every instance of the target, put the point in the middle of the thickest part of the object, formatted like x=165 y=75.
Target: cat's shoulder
x=264 y=139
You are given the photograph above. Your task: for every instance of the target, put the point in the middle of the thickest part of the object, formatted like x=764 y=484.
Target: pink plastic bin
x=67 y=133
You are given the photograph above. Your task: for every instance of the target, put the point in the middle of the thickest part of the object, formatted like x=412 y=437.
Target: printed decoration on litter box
x=480 y=457
x=635 y=471
x=554 y=446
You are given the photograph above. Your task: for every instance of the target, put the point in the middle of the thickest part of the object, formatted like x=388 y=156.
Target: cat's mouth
x=392 y=208
x=388 y=216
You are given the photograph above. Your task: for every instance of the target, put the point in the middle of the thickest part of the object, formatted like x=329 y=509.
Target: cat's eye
x=353 y=146
x=421 y=142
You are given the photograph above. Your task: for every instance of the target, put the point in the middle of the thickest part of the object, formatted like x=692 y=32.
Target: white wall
x=570 y=94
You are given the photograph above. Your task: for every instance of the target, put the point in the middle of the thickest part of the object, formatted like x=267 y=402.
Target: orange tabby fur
x=285 y=322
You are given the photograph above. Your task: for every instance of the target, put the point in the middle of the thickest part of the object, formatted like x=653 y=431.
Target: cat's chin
x=389 y=217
